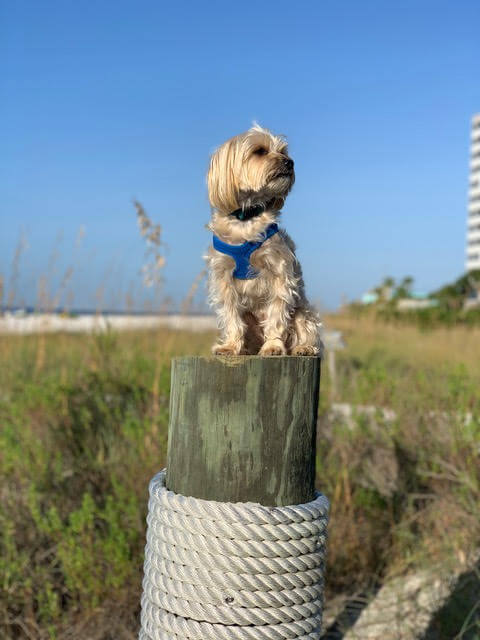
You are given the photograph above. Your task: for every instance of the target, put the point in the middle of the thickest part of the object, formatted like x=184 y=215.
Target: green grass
x=84 y=424
x=84 y=427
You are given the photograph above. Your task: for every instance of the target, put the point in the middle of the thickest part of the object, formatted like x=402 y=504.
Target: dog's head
x=251 y=169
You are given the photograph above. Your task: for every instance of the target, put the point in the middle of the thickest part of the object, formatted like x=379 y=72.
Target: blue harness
x=241 y=253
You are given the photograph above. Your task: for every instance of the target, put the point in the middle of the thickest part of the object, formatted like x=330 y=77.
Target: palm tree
x=404 y=289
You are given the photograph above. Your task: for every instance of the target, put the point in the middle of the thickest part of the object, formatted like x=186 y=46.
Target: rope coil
x=232 y=571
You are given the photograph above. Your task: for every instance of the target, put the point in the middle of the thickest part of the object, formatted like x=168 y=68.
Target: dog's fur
x=268 y=314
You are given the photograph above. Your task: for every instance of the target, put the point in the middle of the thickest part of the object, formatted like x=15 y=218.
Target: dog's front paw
x=305 y=350
x=227 y=349
x=273 y=348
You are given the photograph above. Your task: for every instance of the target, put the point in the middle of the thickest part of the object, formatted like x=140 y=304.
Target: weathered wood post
x=333 y=342
x=243 y=429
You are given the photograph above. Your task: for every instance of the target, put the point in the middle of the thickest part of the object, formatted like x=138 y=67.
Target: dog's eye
x=261 y=151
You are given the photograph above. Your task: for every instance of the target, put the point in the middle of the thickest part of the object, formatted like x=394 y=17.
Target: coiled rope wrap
x=236 y=571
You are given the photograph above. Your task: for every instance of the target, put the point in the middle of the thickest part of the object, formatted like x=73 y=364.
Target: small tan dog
x=255 y=279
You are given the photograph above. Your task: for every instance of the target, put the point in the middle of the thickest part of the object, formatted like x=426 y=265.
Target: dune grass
x=83 y=428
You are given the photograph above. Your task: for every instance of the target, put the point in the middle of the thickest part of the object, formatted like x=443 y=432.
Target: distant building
x=472 y=300
x=413 y=304
x=473 y=233
x=370 y=297
x=383 y=293
x=416 y=299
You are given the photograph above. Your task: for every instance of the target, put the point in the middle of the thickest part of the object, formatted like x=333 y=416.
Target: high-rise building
x=473 y=233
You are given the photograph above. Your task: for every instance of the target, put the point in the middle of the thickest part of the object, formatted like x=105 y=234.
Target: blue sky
x=102 y=102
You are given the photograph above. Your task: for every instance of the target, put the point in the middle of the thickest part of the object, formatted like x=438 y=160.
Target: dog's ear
x=222 y=179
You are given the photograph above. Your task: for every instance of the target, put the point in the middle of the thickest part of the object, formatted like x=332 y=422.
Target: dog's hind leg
x=306 y=333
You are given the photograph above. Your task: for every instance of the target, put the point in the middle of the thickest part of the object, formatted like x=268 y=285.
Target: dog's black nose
x=288 y=162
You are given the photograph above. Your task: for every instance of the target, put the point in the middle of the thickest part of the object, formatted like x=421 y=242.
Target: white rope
x=224 y=571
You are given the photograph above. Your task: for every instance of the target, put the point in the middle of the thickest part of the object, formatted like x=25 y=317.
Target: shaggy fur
x=268 y=314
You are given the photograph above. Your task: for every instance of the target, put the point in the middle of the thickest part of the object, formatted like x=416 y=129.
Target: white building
x=473 y=233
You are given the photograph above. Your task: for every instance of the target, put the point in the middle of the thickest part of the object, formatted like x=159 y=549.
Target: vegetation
x=84 y=424
x=449 y=308
x=453 y=295
x=390 y=290
x=441 y=315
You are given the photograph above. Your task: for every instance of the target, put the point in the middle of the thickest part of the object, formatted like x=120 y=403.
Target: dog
x=255 y=280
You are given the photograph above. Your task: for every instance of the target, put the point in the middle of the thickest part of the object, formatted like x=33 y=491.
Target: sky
x=104 y=102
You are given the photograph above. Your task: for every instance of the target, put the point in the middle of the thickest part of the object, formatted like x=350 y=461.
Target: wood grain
x=243 y=428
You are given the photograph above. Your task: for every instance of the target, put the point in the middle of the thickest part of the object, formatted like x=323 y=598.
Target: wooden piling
x=243 y=429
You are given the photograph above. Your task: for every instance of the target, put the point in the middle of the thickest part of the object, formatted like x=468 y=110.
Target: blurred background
x=109 y=112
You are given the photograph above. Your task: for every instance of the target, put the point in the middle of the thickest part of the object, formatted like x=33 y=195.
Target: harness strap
x=241 y=253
